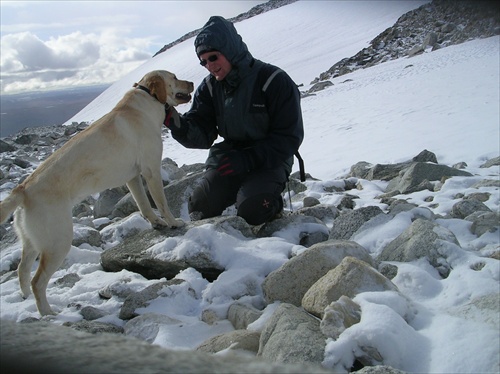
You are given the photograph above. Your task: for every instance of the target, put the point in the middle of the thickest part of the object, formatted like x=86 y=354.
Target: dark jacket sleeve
x=198 y=125
x=286 y=130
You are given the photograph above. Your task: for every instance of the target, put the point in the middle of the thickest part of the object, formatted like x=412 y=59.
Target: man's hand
x=172 y=118
x=234 y=163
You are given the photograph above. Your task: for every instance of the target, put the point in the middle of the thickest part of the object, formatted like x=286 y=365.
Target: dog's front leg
x=155 y=186
x=137 y=189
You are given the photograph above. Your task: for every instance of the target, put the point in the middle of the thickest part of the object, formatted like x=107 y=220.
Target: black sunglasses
x=211 y=58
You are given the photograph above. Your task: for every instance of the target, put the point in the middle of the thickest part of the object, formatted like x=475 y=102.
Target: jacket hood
x=221 y=35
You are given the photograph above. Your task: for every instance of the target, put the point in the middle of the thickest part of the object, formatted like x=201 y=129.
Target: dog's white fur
x=117 y=149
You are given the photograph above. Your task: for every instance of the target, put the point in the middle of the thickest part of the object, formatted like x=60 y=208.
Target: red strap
x=167 y=118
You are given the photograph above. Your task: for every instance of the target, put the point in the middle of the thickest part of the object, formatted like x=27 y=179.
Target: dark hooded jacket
x=256 y=108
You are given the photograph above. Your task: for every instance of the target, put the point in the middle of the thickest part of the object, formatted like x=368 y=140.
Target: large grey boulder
x=412 y=179
x=241 y=315
x=421 y=239
x=466 y=207
x=132 y=255
x=350 y=278
x=349 y=221
x=291 y=281
x=292 y=336
x=178 y=192
x=107 y=200
x=483 y=222
x=47 y=348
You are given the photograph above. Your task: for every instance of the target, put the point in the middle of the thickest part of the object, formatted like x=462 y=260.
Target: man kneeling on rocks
x=255 y=108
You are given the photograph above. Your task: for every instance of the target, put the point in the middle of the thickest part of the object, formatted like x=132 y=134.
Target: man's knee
x=260 y=208
x=211 y=196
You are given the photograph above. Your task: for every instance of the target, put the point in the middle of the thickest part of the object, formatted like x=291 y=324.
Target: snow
x=446 y=101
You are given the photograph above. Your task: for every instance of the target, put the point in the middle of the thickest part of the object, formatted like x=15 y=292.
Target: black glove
x=235 y=163
x=173 y=122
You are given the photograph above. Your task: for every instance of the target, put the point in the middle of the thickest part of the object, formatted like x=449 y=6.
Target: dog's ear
x=158 y=89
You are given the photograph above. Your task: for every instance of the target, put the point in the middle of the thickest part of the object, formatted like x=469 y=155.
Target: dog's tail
x=10 y=204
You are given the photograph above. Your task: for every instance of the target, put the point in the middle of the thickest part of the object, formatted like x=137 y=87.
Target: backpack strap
x=270 y=79
x=297 y=154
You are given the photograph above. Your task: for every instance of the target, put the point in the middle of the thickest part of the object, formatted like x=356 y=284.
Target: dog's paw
x=47 y=313
x=178 y=223
x=159 y=224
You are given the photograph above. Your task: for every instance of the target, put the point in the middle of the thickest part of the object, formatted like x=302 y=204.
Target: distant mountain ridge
x=256 y=10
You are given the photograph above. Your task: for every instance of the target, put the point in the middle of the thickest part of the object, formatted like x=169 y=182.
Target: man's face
x=216 y=63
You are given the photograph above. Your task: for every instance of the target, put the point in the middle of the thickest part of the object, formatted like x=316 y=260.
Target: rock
x=338 y=316
x=483 y=309
x=6 y=147
x=320 y=86
x=69 y=280
x=292 y=336
x=84 y=234
x=483 y=222
x=379 y=369
x=94 y=327
x=291 y=281
x=465 y=208
x=487 y=183
x=360 y=170
x=242 y=315
x=172 y=170
x=492 y=162
x=386 y=172
x=323 y=212
x=141 y=299
x=178 y=191
x=306 y=225
x=146 y=326
x=89 y=313
x=60 y=350
x=348 y=222
x=132 y=253
x=82 y=210
x=239 y=340
x=479 y=196
x=125 y=207
x=422 y=239
x=350 y=278
x=26 y=139
x=310 y=201
x=107 y=200
x=410 y=180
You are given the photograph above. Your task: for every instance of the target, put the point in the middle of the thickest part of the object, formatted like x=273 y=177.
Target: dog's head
x=166 y=87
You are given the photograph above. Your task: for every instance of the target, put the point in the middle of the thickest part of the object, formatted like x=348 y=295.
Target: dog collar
x=145 y=89
x=168 y=112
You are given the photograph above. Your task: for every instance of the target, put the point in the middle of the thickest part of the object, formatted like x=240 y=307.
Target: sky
x=59 y=44
x=446 y=101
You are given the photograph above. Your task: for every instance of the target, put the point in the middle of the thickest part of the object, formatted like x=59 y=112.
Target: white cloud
x=29 y=63
x=56 y=44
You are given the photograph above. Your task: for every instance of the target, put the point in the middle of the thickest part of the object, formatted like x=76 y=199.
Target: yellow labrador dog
x=117 y=149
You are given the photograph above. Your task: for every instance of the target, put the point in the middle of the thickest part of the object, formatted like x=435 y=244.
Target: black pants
x=257 y=195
